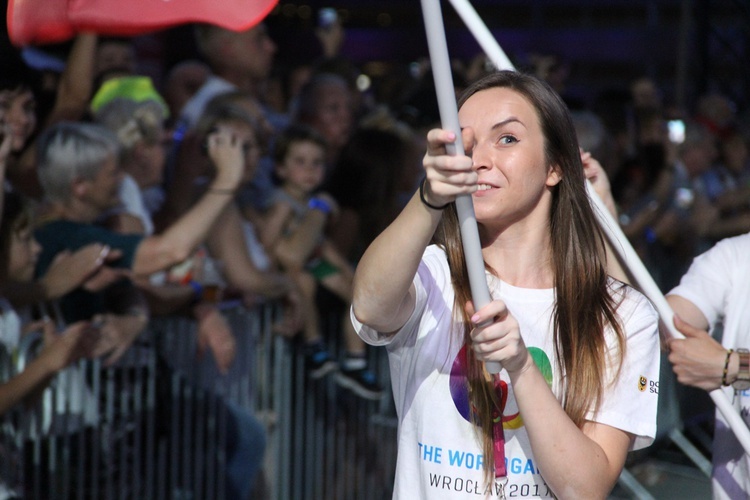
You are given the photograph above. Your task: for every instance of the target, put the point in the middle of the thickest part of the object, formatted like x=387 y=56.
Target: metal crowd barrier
x=157 y=426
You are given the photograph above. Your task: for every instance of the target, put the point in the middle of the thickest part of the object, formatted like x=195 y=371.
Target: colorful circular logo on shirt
x=460 y=389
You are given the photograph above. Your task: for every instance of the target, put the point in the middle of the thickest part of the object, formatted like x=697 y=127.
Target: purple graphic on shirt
x=460 y=389
x=458 y=385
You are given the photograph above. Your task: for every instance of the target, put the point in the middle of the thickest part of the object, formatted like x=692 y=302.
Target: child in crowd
x=18 y=254
x=232 y=242
x=293 y=232
x=234 y=110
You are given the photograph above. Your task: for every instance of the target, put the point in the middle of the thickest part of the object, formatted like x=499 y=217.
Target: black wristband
x=427 y=203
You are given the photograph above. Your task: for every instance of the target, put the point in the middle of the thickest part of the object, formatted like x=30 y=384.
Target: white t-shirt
x=439 y=454
x=10 y=326
x=718 y=283
x=132 y=203
x=254 y=247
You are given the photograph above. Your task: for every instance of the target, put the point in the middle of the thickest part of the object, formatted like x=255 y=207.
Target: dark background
x=689 y=47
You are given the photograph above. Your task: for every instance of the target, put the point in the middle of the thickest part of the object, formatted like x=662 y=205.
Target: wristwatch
x=742 y=382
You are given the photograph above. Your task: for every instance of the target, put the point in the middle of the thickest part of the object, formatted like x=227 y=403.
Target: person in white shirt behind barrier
x=715 y=290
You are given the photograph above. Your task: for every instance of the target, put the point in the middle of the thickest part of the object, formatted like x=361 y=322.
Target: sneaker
x=361 y=382
x=320 y=363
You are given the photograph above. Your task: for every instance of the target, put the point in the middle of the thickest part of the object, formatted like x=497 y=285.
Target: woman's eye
x=508 y=139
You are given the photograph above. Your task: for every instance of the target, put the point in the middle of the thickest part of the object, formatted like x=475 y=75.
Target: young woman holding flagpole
x=578 y=349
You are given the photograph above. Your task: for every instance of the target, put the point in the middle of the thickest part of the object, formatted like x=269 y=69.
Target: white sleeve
x=630 y=400
x=705 y=283
x=432 y=277
x=373 y=337
x=132 y=203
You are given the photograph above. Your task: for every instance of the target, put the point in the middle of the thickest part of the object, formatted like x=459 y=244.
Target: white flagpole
x=611 y=228
x=441 y=72
x=482 y=34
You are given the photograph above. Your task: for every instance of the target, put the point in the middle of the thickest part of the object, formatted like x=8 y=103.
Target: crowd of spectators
x=242 y=175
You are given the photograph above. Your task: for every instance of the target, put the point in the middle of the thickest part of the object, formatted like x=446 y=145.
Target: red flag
x=38 y=21
x=49 y=21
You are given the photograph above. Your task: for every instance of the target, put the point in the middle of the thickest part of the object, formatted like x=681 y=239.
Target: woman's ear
x=554 y=176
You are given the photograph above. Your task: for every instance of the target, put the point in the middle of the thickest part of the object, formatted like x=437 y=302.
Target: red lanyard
x=498 y=436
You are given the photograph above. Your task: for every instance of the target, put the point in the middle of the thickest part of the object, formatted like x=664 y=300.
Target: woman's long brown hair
x=584 y=304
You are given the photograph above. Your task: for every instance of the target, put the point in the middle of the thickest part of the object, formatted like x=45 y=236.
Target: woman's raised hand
x=447 y=176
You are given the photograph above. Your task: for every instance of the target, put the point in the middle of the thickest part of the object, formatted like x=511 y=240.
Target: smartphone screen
x=684 y=198
x=327 y=16
x=676 y=131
